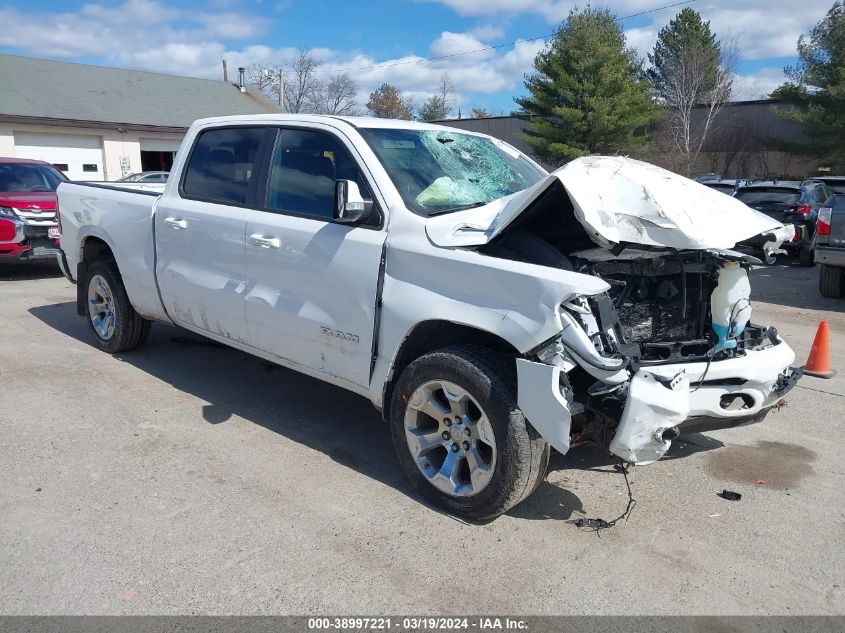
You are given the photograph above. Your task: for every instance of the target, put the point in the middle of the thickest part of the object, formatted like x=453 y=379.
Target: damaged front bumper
x=660 y=401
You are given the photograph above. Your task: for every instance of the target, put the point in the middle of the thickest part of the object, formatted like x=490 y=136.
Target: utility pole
x=280 y=73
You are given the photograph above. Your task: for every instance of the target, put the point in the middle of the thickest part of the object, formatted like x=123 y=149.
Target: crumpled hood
x=619 y=200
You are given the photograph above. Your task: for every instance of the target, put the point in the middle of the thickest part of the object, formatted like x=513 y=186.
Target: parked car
x=489 y=309
x=28 y=228
x=722 y=184
x=836 y=183
x=709 y=177
x=146 y=176
x=789 y=201
x=830 y=248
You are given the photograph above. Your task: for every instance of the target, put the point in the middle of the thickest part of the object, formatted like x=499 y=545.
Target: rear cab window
x=220 y=167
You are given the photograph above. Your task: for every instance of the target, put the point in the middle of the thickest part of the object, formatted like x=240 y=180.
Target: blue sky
x=191 y=37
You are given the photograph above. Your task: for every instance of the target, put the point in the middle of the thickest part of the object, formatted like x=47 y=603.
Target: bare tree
x=438 y=106
x=302 y=82
x=266 y=78
x=295 y=84
x=336 y=96
x=695 y=94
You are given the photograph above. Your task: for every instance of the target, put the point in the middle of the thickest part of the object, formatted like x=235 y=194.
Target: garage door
x=80 y=157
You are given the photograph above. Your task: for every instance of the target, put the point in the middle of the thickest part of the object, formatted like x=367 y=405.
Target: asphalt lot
x=190 y=478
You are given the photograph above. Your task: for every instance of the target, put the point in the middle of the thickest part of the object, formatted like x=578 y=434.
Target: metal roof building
x=99 y=123
x=744 y=142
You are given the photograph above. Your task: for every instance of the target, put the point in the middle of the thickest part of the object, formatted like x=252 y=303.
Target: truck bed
x=121 y=217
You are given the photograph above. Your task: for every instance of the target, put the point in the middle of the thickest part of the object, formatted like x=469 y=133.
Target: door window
x=303 y=172
x=221 y=165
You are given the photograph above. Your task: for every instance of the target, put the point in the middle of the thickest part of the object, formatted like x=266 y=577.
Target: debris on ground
x=730 y=495
x=598 y=524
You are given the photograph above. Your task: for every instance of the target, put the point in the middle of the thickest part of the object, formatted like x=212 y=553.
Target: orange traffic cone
x=818 y=363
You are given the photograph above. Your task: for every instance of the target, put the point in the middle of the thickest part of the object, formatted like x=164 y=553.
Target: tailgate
x=837 y=223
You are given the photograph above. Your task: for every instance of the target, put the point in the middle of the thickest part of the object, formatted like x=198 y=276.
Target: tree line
x=299 y=85
x=590 y=93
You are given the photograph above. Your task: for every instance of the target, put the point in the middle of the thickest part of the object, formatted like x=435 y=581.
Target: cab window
x=303 y=171
x=221 y=165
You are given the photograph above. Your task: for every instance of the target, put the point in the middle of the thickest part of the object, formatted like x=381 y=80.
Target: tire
x=511 y=455
x=807 y=257
x=830 y=281
x=113 y=321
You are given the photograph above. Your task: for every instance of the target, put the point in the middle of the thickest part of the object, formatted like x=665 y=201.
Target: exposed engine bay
x=636 y=362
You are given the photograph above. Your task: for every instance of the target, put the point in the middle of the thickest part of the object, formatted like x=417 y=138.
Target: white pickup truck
x=490 y=310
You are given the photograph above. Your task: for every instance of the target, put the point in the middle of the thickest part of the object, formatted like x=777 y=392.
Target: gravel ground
x=190 y=478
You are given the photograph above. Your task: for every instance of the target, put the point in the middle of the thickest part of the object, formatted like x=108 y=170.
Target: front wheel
x=459 y=435
x=112 y=319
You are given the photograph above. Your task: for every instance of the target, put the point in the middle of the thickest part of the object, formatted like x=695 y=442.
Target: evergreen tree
x=692 y=75
x=587 y=94
x=816 y=88
x=685 y=37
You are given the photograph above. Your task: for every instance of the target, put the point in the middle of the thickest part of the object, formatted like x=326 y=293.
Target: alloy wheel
x=450 y=438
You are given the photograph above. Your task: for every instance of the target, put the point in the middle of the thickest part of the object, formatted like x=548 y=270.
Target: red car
x=28 y=227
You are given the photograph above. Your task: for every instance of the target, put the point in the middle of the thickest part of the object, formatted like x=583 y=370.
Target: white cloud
x=151 y=35
x=552 y=10
x=763 y=29
x=140 y=33
x=641 y=39
x=460 y=43
x=238 y=26
x=487 y=32
x=757 y=85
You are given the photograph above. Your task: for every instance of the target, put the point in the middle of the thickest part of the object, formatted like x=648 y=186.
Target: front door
x=200 y=234
x=311 y=282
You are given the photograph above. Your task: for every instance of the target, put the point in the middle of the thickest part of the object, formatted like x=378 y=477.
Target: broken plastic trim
x=654 y=406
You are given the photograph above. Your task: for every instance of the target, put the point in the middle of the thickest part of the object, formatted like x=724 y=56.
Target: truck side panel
x=124 y=221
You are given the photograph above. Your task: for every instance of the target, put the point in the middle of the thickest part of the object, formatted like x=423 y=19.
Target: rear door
x=200 y=232
x=312 y=283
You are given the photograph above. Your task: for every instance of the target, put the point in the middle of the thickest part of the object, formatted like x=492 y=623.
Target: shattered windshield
x=440 y=172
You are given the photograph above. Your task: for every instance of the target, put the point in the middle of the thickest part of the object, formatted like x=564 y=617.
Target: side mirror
x=349 y=206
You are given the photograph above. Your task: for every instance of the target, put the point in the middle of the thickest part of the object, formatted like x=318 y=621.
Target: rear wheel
x=460 y=436
x=807 y=256
x=112 y=319
x=830 y=281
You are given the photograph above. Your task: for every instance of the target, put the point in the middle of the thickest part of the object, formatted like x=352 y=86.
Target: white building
x=97 y=123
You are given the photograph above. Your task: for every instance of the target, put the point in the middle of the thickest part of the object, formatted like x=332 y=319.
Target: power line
x=490 y=48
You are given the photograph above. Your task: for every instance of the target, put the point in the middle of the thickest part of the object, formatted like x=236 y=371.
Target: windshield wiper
x=460 y=207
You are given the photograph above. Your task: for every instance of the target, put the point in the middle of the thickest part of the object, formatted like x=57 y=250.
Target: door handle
x=176 y=223
x=265 y=241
